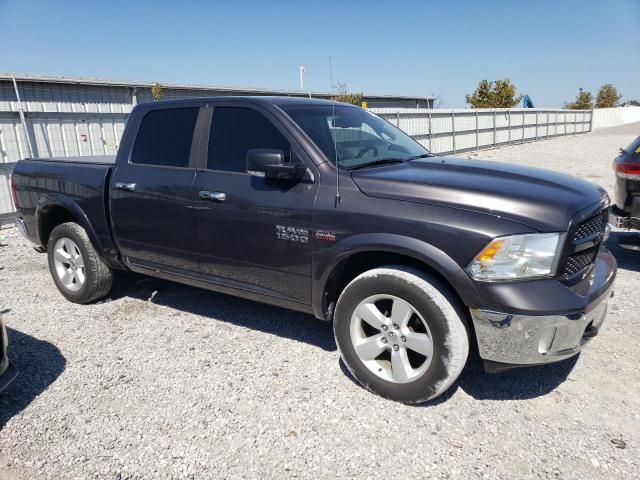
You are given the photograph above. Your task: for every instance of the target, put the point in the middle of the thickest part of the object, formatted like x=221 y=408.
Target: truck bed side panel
x=94 y=159
x=80 y=188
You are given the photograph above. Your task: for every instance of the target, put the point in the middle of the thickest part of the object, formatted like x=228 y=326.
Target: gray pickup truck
x=327 y=209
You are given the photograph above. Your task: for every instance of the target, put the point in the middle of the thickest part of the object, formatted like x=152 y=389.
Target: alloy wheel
x=69 y=264
x=391 y=338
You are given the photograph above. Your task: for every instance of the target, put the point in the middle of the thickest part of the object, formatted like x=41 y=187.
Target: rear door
x=152 y=191
x=252 y=233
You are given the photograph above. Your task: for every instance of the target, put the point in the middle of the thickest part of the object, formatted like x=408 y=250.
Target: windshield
x=353 y=136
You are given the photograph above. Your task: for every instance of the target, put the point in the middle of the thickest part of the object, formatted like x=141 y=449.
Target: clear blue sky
x=547 y=48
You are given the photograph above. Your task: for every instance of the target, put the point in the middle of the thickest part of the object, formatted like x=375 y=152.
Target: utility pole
x=302 y=72
x=22 y=119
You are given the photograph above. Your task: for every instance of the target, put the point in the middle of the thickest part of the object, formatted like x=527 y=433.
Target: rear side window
x=236 y=130
x=164 y=138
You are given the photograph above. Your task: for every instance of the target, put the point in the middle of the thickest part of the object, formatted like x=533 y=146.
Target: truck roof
x=260 y=99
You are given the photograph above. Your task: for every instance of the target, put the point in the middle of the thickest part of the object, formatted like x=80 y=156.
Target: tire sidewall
x=427 y=385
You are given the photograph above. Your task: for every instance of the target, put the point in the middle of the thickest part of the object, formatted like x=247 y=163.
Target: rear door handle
x=125 y=186
x=213 y=196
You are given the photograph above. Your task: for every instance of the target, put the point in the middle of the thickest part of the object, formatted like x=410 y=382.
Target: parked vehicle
x=327 y=209
x=625 y=213
x=8 y=372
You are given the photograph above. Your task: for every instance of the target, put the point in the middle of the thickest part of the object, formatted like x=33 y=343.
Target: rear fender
x=49 y=202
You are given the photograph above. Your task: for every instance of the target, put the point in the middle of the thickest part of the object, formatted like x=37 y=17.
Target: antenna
x=335 y=146
x=302 y=71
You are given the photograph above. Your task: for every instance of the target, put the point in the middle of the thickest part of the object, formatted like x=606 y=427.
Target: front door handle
x=214 y=196
x=125 y=186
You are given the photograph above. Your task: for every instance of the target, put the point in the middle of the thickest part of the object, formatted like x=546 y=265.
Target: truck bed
x=93 y=159
x=76 y=183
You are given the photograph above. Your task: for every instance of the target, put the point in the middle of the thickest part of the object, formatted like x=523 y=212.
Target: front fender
x=327 y=260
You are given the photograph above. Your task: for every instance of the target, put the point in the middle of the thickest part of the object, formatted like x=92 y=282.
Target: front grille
x=586 y=231
x=593 y=225
x=579 y=261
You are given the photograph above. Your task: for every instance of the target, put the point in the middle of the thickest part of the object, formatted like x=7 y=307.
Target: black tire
x=98 y=276
x=439 y=309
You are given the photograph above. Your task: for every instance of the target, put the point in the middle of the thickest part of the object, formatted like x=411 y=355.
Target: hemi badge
x=326 y=236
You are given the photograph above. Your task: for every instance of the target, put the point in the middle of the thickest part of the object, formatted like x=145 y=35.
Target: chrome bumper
x=532 y=340
x=618 y=221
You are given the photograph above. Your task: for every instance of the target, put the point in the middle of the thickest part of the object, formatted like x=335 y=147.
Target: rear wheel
x=400 y=334
x=76 y=268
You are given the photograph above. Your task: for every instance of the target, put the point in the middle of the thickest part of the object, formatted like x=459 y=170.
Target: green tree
x=498 y=94
x=607 y=97
x=345 y=96
x=632 y=103
x=584 y=101
x=156 y=91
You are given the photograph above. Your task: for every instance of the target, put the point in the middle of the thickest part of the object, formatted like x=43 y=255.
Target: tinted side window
x=236 y=130
x=164 y=137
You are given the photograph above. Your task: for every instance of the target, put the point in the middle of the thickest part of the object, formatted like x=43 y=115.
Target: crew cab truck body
x=327 y=209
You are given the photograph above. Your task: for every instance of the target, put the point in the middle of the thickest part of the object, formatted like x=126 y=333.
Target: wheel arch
x=52 y=211
x=364 y=252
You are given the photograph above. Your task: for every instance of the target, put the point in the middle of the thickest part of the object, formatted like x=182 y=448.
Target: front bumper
x=518 y=339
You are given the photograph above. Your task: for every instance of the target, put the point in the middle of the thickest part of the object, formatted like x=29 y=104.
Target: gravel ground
x=167 y=381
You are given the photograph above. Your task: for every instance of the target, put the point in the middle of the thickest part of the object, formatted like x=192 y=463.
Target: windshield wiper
x=388 y=161
x=382 y=161
x=424 y=155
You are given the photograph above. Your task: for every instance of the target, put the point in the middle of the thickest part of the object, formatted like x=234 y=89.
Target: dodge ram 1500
x=327 y=209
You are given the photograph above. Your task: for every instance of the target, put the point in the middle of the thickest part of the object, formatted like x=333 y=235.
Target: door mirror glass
x=269 y=163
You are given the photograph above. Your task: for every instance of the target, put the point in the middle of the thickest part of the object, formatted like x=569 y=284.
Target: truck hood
x=541 y=199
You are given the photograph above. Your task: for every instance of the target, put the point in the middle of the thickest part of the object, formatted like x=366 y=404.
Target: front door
x=253 y=233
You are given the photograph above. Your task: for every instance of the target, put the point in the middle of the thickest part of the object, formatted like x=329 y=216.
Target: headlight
x=517 y=256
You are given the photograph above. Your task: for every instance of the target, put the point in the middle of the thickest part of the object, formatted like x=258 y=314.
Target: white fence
x=450 y=131
x=610 y=117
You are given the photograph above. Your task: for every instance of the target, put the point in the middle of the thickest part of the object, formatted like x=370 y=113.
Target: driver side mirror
x=269 y=163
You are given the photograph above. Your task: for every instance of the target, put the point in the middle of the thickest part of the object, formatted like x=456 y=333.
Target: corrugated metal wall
x=6 y=204
x=62 y=120
x=66 y=119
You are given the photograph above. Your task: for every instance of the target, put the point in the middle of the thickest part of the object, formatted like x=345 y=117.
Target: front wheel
x=400 y=334
x=76 y=268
